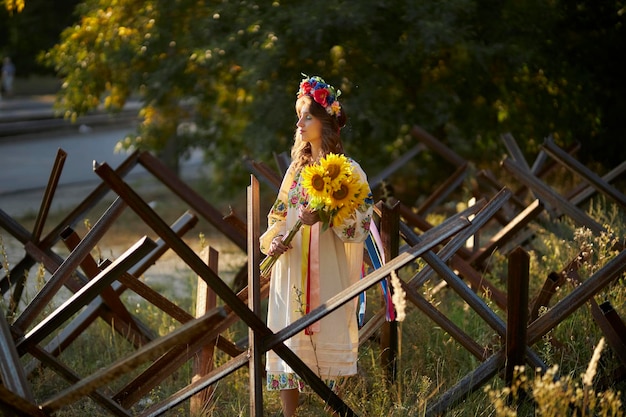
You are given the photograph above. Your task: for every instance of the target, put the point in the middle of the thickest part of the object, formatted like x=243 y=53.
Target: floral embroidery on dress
x=366 y=222
x=283 y=380
x=279 y=210
x=297 y=193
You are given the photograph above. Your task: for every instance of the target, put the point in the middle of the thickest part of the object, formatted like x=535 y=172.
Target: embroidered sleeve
x=276 y=218
x=356 y=227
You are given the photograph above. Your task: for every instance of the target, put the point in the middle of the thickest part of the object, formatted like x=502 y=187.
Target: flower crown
x=324 y=94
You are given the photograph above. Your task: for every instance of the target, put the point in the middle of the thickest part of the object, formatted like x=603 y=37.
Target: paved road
x=25 y=107
x=26 y=160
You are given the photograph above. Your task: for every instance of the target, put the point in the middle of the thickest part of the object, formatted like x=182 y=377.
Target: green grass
x=431 y=362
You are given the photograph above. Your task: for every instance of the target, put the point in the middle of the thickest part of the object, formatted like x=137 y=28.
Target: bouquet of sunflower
x=334 y=191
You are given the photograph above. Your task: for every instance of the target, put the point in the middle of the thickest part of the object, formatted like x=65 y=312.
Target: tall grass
x=555 y=395
x=430 y=360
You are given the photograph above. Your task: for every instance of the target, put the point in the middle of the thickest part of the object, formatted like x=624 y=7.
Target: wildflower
x=593 y=364
x=399 y=297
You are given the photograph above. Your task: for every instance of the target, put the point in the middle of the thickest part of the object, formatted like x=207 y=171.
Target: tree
x=223 y=74
x=27 y=28
x=14 y=5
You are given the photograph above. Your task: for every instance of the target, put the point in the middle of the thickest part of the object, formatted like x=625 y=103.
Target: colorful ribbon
x=313 y=287
x=374 y=247
x=304 y=272
x=310 y=273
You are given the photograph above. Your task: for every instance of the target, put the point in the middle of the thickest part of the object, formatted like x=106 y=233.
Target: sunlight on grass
x=430 y=361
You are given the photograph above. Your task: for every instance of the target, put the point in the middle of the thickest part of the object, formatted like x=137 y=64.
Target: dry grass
x=431 y=360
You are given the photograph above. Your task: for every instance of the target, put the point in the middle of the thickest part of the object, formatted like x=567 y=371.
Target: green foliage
x=27 y=27
x=13 y=5
x=223 y=75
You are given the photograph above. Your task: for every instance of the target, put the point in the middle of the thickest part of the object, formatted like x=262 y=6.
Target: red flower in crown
x=320 y=95
x=305 y=88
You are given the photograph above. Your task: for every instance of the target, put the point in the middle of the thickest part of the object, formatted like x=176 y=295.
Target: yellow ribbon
x=304 y=265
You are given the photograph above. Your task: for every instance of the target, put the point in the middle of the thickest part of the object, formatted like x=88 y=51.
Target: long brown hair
x=331 y=140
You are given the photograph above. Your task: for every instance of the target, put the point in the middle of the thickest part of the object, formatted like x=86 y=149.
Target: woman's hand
x=277 y=247
x=307 y=216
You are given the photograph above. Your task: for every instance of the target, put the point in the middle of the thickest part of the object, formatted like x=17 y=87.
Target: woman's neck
x=316 y=153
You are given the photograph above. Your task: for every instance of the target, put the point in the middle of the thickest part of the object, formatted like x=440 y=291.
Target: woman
x=330 y=346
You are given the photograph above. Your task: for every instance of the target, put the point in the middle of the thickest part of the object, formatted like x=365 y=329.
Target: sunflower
x=315 y=182
x=337 y=168
x=341 y=214
x=363 y=195
x=333 y=190
x=347 y=195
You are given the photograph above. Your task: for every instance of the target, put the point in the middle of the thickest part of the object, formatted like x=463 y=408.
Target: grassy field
x=430 y=362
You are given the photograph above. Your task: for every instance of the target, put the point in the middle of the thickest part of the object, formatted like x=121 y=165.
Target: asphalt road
x=27 y=160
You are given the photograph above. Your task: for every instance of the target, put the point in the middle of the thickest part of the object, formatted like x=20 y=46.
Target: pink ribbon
x=313 y=283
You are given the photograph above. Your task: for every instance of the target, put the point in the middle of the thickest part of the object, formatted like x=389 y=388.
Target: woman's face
x=309 y=127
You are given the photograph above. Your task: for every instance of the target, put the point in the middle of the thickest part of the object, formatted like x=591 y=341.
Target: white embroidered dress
x=331 y=352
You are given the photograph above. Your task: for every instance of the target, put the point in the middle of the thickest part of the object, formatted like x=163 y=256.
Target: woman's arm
x=355 y=228
x=276 y=218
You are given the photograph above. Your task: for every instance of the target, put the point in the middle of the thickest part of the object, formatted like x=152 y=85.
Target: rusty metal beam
x=450 y=184
x=181 y=336
x=71 y=263
x=143 y=383
x=91 y=269
x=613 y=328
x=267 y=174
x=255 y=351
x=552 y=198
x=437 y=146
x=379 y=178
x=195 y=387
x=468 y=384
x=576 y=167
x=583 y=191
x=555 y=280
x=517 y=313
x=482 y=216
x=476 y=303
x=96 y=309
x=18 y=406
x=576 y=298
x=85 y=295
x=162 y=367
x=188 y=195
x=51 y=187
x=506 y=233
x=69 y=375
x=444 y=322
x=514 y=151
x=87 y=204
x=12 y=372
x=14 y=228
